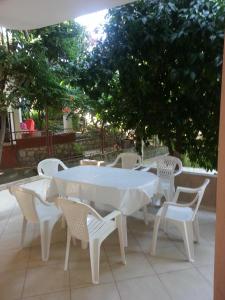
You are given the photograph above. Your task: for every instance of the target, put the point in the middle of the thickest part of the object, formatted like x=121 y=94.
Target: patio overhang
x=22 y=15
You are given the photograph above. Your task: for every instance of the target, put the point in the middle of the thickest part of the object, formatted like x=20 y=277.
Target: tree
x=158 y=71
x=35 y=67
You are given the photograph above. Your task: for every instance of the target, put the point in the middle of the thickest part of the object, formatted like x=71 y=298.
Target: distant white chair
x=128 y=160
x=50 y=166
x=85 y=224
x=36 y=210
x=183 y=216
x=168 y=167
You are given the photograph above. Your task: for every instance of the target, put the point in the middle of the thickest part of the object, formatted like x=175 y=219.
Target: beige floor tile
x=138 y=226
x=11 y=285
x=203 y=252
x=207 y=272
x=80 y=273
x=98 y=292
x=59 y=235
x=168 y=260
x=137 y=265
x=144 y=288
x=63 y=295
x=48 y=279
x=11 y=260
x=145 y=241
x=113 y=242
x=207 y=231
x=206 y=216
x=187 y=285
x=57 y=255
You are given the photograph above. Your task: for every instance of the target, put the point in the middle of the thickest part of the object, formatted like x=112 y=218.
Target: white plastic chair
x=183 y=216
x=50 y=166
x=85 y=224
x=129 y=160
x=36 y=210
x=168 y=167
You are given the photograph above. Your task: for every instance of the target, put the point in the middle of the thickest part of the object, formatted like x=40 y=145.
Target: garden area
x=156 y=71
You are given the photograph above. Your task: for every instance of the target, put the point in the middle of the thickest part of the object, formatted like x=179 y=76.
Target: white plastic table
x=122 y=189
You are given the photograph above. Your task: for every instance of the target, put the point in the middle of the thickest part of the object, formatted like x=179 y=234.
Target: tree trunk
x=3 y=116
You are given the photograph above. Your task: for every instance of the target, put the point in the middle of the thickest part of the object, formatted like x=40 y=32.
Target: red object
x=30 y=125
x=66 y=110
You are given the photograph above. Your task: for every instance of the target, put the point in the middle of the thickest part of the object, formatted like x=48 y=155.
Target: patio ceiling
x=30 y=14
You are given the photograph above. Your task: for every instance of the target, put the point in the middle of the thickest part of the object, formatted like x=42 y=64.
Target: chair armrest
x=111 y=165
x=138 y=167
x=178 y=172
x=63 y=165
x=167 y=203
x=182 y=189
x=112 y=215
x=115 y=162
x=45 y=176
x=44 y=202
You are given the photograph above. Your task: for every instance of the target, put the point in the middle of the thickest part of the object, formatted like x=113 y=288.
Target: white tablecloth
x=125 y=190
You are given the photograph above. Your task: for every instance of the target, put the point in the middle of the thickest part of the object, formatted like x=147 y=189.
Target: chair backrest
x=27 y=202
x=199 y=195
x=76 y=214
x=168 y=167
x=50 y=166
x=129 y=160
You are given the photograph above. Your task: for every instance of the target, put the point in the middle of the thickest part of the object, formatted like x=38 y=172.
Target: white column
x=67 y=123
x=15 y=120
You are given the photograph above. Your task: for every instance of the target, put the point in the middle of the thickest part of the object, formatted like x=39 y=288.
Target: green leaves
x=37 y=66
x=158 y=71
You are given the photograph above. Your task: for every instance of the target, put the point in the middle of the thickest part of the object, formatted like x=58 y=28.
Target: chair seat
x=177 y=213
x=47 y=212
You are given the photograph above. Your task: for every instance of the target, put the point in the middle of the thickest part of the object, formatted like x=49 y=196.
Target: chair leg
x=46 y=232
x=187 y=233
x=196 y=230
x=94 y=248
x=155 y=235
x=124 y=225
x=63 y=222
x=84 y=245
x=145 y=214
x=67 y=250
x=24 y=226
x=119 y=223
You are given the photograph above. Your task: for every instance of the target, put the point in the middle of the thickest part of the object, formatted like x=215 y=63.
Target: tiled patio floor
x=167 y=276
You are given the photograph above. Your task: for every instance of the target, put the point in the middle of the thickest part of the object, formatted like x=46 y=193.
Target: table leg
x=125 y=231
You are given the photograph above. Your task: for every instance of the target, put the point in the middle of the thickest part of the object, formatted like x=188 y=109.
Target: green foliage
x=36 y=65
x=78 y=149
x=158 y=71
